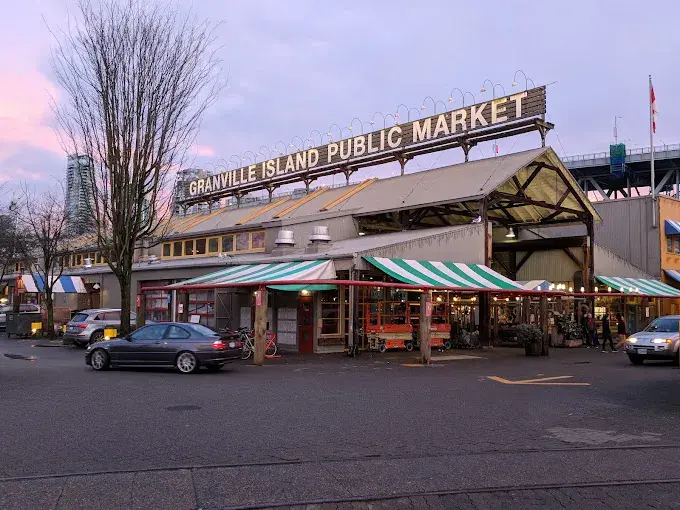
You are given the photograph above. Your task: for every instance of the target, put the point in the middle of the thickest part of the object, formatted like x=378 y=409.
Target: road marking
x=455 y=357
x=544 y=381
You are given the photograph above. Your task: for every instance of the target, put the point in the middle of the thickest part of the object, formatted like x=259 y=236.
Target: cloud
x=202 y=150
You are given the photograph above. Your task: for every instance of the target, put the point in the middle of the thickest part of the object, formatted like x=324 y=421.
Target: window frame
x=217 y=240
x=169 y=246
x=252 y=235
x=233 y=243
x=189 y=242
x=204 y=240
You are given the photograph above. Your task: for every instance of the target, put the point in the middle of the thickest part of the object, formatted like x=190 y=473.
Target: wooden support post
x=545 y=343
x=184 y=316
x=496 y=326
x=484 y=316
x=425 y=322
x=352 y=316
x=141 y=309
x=260 y=325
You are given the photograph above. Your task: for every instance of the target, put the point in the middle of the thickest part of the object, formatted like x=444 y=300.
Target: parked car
x=658 y=341
x=187 y=347
x=87 y=326
x=23 y=308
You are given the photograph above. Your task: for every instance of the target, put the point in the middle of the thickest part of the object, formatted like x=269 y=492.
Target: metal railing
x=629 y=152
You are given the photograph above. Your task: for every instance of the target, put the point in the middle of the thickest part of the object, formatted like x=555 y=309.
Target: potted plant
x=531 y=337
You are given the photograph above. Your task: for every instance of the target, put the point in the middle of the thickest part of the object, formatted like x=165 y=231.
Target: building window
x=227 y=244
x=203 y=305
x=257 y=240
x=79 y=259
x=98 y=258
x=177 y=249
x=330 y=312
x=243 y=241
x=200 y=246
x=676 y=243
x=188 y=248
x=213 y=244
x=167 y=249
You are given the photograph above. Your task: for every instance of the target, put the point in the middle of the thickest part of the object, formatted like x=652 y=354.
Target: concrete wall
x=464 y=245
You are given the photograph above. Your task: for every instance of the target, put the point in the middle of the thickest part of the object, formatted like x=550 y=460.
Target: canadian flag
x=652 y=102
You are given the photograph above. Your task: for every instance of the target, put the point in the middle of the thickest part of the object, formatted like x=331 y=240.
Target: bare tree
x=42 y=219
x=137 y=79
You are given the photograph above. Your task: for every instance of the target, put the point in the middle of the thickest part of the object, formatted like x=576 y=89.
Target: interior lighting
x=304 y=292
x=571 y=289
x=597 y=289
x=511 y=233
x=609 y=289
x=583 y=289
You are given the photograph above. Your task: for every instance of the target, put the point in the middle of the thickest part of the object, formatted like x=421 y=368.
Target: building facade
x=79 y=194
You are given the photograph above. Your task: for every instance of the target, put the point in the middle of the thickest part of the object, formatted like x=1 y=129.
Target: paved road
x=339 y=433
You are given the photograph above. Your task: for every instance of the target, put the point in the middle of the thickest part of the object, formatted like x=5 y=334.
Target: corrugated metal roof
x=455 y=183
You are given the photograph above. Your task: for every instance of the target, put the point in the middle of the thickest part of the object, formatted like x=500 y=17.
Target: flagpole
x=651 y=151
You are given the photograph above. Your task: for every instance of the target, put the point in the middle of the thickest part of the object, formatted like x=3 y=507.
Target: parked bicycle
x=247 y=337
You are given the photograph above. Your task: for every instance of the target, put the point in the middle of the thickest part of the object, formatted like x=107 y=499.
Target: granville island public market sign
x=523 y=105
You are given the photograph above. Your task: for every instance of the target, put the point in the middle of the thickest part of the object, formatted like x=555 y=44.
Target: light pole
x=372 y=121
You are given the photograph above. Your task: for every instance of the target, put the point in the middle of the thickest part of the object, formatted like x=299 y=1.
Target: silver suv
x=87 y=326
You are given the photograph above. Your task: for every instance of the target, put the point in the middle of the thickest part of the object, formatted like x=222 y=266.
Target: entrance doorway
x=306 y=324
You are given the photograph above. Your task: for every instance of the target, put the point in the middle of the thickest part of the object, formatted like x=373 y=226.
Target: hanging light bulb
x=511 y=233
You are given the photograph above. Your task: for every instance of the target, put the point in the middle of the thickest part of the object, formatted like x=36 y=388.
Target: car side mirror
x=128 y=338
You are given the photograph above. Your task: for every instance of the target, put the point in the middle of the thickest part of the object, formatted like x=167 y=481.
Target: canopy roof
x=639 y=286
x=259 y=273
x=432 y=273
x=672 y=228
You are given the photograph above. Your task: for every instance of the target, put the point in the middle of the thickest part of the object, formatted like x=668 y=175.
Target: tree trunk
x=50 y=315
x=125 y=304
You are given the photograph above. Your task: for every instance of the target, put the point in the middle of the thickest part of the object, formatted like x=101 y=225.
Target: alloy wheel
x=186 y=363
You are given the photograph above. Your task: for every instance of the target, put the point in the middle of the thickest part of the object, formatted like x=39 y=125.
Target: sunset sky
x=297 y=66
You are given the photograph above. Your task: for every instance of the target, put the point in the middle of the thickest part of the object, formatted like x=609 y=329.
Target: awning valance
x=641 y=286
x=432 y=273
x=259 y=273
x=671 y=228
x=65 y=284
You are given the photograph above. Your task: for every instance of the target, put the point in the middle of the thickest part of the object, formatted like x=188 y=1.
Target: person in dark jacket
x=606 y=333
x=620 y=331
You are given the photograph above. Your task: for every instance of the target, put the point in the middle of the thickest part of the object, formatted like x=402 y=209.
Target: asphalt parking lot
x=483 y=429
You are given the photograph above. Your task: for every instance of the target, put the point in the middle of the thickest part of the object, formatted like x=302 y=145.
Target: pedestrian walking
x=620 y=331
x=606 y=333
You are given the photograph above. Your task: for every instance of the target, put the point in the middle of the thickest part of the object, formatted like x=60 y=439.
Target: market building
x=354 y=260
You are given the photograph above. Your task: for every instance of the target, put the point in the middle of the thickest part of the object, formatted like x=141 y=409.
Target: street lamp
x=526 y=80
x=461 y=94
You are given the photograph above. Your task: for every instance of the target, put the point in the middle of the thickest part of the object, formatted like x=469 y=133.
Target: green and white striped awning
x=432 y=273
x=640 y=286
x=259 y=273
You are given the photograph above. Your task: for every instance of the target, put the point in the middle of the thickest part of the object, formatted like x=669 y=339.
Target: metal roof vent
x=285 y=238
x=320 y=235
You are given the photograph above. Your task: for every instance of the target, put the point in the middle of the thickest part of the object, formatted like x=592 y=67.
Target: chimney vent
x=320 y=235
x=285 y=238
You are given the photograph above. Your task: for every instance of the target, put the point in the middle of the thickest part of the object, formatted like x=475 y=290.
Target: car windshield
x=5 y=309
x=79 y=317
x=201 y=329
x=663 y=326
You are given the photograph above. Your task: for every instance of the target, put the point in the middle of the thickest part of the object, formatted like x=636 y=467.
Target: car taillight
x=218 y=344
x=81 y=326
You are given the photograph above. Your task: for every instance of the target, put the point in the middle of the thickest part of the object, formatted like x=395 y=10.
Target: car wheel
x=186 y=362
x=214 y=367
x=409 y=346
x=635 y=359
x=97 y=336
x=99 y=359
x=382 y=348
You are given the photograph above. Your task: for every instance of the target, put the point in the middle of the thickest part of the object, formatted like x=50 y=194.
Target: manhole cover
x=19 y=356
x=183 y=408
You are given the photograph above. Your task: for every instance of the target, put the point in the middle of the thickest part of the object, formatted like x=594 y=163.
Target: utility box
x=20 y=324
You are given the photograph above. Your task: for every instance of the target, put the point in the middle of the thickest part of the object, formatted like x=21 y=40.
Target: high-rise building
x=184 y=177
x=79 y=194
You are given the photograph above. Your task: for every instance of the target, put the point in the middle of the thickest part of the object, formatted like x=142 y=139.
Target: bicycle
x=248 y=339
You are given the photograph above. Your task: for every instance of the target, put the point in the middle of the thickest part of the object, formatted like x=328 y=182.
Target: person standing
x=606 y=333
x=620 y=331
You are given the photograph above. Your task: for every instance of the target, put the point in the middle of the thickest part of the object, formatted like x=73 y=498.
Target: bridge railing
x=629 y=152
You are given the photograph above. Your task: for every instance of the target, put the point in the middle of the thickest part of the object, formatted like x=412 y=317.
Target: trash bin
x=19 y=324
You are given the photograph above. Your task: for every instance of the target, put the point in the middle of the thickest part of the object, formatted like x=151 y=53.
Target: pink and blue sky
x=302 y=65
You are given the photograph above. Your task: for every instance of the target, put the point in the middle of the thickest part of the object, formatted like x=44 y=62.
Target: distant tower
x=184 y=177
x=79 y=194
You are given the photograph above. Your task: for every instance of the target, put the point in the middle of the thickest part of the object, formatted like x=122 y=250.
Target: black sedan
x=188 y=347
